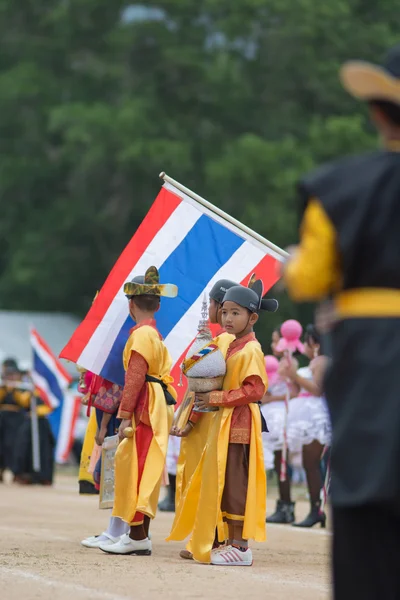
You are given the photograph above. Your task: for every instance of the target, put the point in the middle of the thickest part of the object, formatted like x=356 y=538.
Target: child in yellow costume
x=229 y=481
x=195 y=434
x=146 y=411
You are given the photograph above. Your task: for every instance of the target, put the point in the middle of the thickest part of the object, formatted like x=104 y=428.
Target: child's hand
x=124 y=424
x=182 y=432
x=287 y=369
x=202 y=400
x=100 y=435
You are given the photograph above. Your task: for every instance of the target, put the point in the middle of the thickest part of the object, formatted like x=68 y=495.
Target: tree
x=234 y=99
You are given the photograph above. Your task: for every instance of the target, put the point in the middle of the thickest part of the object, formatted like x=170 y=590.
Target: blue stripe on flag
x=42 y=369
x=201 y=254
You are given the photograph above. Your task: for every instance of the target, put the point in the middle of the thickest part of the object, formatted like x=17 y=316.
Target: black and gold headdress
x=150 y=285
x=252 y=296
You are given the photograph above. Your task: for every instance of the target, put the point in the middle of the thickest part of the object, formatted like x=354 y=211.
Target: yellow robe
x=87 y=449
x=199 y=511
x=128 y=499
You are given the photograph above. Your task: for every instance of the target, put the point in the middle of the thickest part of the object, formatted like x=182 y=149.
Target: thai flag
x=193 y=248
x=52 y=381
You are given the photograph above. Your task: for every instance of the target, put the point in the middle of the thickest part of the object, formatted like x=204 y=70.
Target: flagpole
x=256 y=236
x=36 y=463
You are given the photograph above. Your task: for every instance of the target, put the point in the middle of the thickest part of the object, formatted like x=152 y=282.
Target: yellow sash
x=128 y=499
x=87 y=449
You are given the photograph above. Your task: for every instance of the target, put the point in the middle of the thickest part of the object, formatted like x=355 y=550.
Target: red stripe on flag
x=42 y=394
x=161 y=210
x=265 y=270
x=60 y=368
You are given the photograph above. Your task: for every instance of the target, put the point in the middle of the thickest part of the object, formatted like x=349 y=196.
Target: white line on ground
x=73 y=587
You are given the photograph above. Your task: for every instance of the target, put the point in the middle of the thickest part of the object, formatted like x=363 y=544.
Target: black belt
x=264 y=428
x=169 y=399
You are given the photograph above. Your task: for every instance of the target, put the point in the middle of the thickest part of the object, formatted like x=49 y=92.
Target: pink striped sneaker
x=232 y=557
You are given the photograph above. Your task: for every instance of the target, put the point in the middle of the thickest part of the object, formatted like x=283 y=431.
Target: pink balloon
x=291 y=331
x=271 y=366
x=271 y=363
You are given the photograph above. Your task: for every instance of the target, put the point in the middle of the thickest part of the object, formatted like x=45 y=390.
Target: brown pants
x=233 y=503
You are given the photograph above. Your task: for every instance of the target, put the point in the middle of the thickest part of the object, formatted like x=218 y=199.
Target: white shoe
x=126 y=545
x=220 y=548
x=232 y=557
x=94 y=541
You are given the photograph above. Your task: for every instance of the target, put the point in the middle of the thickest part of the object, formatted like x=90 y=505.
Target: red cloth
x=144 y=436
x=103 y=394
x=135 y=397
x=108 y=397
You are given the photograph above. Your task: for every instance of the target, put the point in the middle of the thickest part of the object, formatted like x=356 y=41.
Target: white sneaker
x=94 y=541
x=126 y=545
x=220 y=548
x=232 y=557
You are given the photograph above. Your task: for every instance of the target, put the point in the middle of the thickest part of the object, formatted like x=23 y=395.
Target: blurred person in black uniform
x=23 y=456
x=14 y=403
x=350 y=253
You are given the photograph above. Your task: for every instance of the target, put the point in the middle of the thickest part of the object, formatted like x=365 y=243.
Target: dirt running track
x=41 y=558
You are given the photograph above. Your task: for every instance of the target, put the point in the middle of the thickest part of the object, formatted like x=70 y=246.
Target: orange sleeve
x=252 y=390
x=135 y=379
x=194 y=416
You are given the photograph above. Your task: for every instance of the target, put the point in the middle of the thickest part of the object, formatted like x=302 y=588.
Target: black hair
x=312 y=335
x=147 y=302
x=11 y=364
x=389 y=109
x=277 y=330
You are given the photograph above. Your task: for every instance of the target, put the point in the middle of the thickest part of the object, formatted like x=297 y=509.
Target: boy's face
x=236 y=319
x=213 y=309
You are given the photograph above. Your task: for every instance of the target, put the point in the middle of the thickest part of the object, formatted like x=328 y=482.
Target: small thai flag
x=52 y=381
x=192 y=248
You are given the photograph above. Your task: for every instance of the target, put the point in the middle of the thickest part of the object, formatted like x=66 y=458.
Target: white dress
x=174 y=446
x=308 y=418
x=274 y=413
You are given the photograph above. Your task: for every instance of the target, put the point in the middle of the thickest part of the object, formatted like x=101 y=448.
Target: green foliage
x=234 y=99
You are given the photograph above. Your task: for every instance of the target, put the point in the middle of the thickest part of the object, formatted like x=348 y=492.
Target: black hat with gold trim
x=149 y=285
x=369 y=82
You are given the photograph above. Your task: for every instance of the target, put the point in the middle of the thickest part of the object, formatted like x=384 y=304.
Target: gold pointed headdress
x=150 y=286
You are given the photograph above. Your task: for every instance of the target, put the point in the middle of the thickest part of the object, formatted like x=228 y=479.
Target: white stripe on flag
x=43 y=384
x=50 y=362
x=226 y=224
x=240 y=264
x=64 y=434
x=160 y=248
